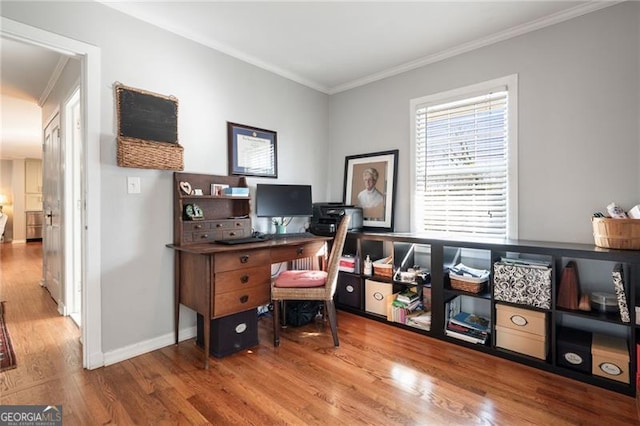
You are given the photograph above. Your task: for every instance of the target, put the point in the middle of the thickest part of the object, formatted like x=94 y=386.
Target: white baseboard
x=140 y=348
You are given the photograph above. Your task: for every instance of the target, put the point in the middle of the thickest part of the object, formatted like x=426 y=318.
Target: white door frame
x=72 y=208
x=89 y=56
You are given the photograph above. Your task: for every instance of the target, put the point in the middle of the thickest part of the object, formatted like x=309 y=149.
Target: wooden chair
x=311 y=285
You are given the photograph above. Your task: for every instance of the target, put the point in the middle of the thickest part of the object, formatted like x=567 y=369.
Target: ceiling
x=333 y=46
x=328 y=46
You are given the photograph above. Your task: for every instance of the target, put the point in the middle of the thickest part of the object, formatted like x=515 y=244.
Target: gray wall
x=212 y=88
x=578 y=119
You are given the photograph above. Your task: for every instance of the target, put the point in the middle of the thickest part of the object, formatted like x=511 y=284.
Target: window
x=464 y=177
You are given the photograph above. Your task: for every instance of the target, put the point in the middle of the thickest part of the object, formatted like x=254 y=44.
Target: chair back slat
x=334 y=257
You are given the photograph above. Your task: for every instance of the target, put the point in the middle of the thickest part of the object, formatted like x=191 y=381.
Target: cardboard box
x=530 y=344
x=610 y=357
x=521 y=319
x=376 y=296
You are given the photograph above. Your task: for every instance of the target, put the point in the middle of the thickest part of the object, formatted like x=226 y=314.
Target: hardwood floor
x=379 y=375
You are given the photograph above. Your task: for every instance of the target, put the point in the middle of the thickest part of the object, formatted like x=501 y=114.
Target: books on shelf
x=411 y=314
x=465 y=326
x=408 y=296
x=473 y=321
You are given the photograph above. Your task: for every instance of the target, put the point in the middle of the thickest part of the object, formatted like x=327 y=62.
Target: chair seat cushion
x=301 y=279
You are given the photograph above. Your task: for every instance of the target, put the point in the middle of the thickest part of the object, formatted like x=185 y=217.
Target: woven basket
x=468 y=286
x=383 y=267
x=143 y=154
x=616 y=233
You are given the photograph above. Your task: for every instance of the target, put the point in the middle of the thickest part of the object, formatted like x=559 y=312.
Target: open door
x=52 y=195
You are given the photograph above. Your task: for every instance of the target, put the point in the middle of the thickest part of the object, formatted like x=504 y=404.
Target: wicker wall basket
x=150 y=155
x=616 y=233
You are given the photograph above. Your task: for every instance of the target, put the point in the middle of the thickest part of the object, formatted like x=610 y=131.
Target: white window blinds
x=461 y=169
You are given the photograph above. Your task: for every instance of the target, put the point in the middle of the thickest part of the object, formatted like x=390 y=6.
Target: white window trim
x=511 y=82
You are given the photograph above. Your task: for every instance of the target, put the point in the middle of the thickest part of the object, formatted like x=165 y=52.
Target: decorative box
x=376 y=296
x=574 y=349
x=522 y=284
x=349 y=290
x=230 y=334
x=610 y=357
x=522 y=330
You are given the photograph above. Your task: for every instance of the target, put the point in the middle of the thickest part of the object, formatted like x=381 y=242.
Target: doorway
x=89 y=176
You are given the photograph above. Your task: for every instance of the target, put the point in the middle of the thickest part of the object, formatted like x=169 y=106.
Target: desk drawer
x=298 y=251
x=241 y=259
x=232 y=302
x=243 y=278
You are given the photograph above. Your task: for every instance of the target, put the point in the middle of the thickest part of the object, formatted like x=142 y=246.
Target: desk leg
x=176 y=291
x=206 y=326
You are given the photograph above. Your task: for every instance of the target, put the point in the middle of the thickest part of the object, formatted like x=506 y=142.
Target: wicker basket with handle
x=468 y=285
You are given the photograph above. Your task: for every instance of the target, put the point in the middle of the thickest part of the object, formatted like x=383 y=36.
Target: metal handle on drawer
x=238 y=224
x=244 y=279
x=198 y=226
x=204 y=236
x=244 y=299
x=218 y=225
x=244 y=258
x=233 y=234
x=300 y=250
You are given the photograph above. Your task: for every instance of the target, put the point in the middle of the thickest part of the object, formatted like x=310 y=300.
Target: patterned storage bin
x=523 y=284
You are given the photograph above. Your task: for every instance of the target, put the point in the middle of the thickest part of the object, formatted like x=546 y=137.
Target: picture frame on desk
x=369 y=182
x=252 y=151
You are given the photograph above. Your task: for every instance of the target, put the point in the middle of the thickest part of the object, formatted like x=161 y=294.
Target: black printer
x=326 y=217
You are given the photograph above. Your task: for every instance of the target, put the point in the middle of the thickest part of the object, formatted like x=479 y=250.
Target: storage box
x=349 y=290
x=347 y=264
x=230 y=334
x=574 y=349
x=526 y=320
x=236 y=191
x=522 y=342
x=610 y=357
x=376 y=296
x=522 y=284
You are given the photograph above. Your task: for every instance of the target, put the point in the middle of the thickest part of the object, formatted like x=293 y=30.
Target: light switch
x=133 y=185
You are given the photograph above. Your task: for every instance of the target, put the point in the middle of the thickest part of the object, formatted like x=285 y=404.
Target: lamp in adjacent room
x=3 y=201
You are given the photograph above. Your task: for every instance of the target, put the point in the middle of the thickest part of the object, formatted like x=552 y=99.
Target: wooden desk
x=217 y=280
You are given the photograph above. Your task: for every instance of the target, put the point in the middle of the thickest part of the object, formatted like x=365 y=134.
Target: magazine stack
x=466 y=326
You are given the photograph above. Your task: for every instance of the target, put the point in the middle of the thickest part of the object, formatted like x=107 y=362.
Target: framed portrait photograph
x=252 y=151
x=369 y=182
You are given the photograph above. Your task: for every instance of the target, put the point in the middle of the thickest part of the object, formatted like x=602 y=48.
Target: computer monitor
x=283 y=200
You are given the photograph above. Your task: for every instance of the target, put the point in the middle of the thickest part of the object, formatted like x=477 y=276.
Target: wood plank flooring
x=379 y=375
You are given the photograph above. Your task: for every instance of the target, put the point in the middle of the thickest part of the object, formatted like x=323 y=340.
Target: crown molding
x=55 y=75
x=477 y=44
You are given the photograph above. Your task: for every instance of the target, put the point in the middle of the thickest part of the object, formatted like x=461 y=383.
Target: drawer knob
x=244 y=279
x=300 y=250
x=198 y=226
x=218 y=225
x=519 y=320
x=244 y=299
x=233 y=234
x=244 y=258
x=204 y=236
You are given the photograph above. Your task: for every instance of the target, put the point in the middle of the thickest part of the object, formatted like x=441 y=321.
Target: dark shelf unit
x=379 y=245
